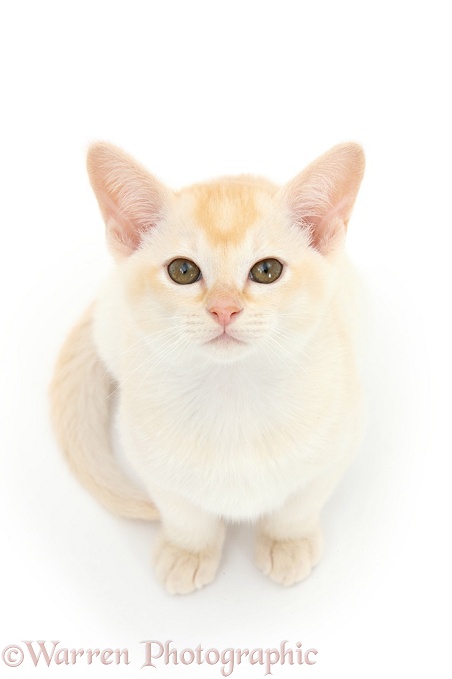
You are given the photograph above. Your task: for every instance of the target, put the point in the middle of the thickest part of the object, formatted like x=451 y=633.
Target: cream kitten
x=228 y=330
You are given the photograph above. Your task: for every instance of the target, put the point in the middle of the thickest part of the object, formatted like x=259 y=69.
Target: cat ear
x=131 y=200
x=321 y=197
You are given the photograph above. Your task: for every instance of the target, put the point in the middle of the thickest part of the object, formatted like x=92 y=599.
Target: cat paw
x=288 y=561
x=181 y=571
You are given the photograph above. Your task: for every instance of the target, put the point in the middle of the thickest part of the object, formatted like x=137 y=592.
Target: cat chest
x=218 y=420
x=235 y=458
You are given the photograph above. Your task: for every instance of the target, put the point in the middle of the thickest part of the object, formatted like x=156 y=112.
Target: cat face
x=224 y=229
x=220 y=270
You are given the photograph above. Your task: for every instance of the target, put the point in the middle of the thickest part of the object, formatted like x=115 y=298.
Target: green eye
x=266 y=271
x=184 y=271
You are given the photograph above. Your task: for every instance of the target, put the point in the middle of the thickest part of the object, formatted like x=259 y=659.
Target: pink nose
x=224 y=313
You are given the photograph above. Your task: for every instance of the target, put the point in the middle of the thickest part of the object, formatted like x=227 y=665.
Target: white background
x=194 y=90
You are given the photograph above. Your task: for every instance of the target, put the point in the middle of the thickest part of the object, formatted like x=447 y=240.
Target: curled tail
x=80 y=405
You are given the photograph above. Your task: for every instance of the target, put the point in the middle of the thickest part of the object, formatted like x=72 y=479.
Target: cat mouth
x=224 y=339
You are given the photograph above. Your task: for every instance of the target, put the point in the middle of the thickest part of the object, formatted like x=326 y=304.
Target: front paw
x=288 y=561
x=182 y=571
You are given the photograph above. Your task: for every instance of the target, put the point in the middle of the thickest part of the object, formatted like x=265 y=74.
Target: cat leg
x=289 y=541
x=188 y=548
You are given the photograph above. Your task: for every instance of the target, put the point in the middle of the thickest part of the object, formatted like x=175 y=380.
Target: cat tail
x=80 y=411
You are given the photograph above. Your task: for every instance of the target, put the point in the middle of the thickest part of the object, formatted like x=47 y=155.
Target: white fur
x=259 y=431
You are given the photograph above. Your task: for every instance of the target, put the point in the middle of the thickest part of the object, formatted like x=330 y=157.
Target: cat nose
x=224 y=313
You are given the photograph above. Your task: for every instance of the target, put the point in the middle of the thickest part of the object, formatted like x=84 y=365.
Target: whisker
x=142 y=365
x=280 y=347
x=180 y=346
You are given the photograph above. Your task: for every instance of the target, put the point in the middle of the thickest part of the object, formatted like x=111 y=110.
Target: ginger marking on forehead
x=226 y=210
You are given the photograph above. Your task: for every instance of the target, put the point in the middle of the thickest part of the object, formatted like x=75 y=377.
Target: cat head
x=232 y=266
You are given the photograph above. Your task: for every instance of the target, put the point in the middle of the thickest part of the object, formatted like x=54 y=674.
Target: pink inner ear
x=328 y=230
x=321 y=198
x=131 y=200
x=129 y=213
x=123 y=235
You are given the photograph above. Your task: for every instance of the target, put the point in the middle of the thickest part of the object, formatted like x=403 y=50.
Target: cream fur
x=258 y=429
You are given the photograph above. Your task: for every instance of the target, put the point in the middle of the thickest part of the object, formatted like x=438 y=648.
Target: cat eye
x=184 y=271
x=266 y=271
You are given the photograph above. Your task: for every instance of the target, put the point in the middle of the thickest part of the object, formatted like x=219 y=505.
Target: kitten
x=228 y=330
